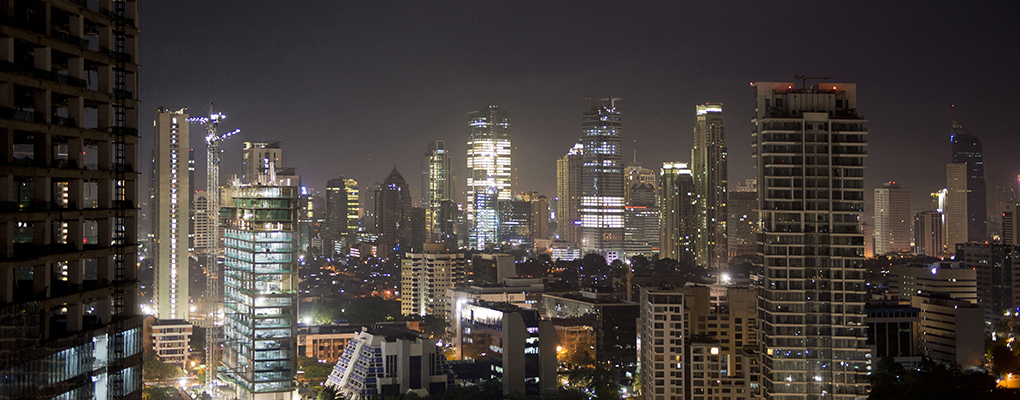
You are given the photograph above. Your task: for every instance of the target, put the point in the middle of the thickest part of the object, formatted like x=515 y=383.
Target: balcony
x=32 y=72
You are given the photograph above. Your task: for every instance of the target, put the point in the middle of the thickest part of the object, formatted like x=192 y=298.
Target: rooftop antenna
x=804 y=79
x=212 y=189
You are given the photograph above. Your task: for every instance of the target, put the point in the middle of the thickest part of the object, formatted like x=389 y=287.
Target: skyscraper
x=892 y=219
x=260 y=284
x=340 y=228
x=676 y=213
x=171 y=219
x=50 y=347
x=568 y=192
x=641 y=221
x=957 y=205
x=742 y=222
x=425 y=276
x=256 y=157
x=967 y=150
x=929 y=234
x=602 y=203
x=489 y=179
x=709 y=169
x=812 y=288
x=437 y=184
x=393 y=215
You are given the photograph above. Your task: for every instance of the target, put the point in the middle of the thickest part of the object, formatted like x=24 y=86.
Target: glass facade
x=602 y=205
x=488 y=163
x=260 y=289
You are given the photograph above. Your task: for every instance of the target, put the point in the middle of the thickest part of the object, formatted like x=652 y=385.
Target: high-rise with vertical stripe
x=809 y=145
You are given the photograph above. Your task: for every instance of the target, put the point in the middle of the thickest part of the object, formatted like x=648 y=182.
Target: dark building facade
x=967 y=150
x=393 y=215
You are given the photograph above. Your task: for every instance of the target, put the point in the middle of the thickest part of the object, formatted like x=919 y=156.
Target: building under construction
x=69 y=307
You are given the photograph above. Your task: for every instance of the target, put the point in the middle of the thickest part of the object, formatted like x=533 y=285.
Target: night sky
x=352 y=87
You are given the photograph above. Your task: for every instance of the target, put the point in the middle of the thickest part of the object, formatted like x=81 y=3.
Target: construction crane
x=804 y=79
x=212 y=140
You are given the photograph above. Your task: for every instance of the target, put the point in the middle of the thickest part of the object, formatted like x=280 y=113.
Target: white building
x=661 y=343
x=425 y=278
x=892 y=219
x=170 y=214
x=170 y=338
x=390 y=362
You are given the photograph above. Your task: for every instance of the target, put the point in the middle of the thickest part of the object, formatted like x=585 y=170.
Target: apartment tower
x=892 y=219
x=568 y=193
x=676 y=213
x=437 y=184
x=809 y=148
x=169 y=228
x=709 y=167
x=967 y=150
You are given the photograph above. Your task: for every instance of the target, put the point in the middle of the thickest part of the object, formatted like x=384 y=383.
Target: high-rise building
x=171 y=217
x=708 y=164
x=489 y=173
x=515 y=218
x=633 y=174
x=892 y=219
x=437 y=184
x=449 y=218
x=641 y=222
x=191 y=199
x=602 y=203
x=957 y=200
x=568 y=195
x=676 y=213
x=424 y=278
x=1011 y=225
x=540 y=218
x=260 y=284
x=340 y=228
x=661 y=350
x=811 y=240
x=68 y=268
x=967 y=150
x=998 y=272
x=256 y=158
x=929 y=234
x=393 y=215
x=722 y=318
x=742 y=223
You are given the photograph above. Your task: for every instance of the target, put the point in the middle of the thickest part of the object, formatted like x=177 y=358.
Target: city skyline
x=359 y=79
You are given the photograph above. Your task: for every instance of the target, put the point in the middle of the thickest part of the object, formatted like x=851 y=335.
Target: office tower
x=892 y=219
x=69 y=122
x=424 y=278
x=448 y=221
x=418 y=234
x=957 y=206
x=742 y=223
x=568 y=194
x=602 y=203
x=634 y=173
x=517 y=344
x=515 y=218
x=540 y=218
x=256 y=158
x=204 y=221
x=868 y=230
x=893 y=331
x=260 y=291
x=721 y=326
x=340 y=228
x=388 y=362
x=708 y=164
x=812 y=244
x=171 y=216
x=676 y=213
x=488 y=163
x=369 y=223
x=946 y=278
x=641 y=222
x=1011 y=225
x=393 y=216
x=437 y=184
x=967 y=150
x=661 y=351
x=952 y=330
x=929 y=234
x=998 y=270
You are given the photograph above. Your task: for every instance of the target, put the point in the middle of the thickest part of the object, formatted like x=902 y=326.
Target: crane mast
x=212 y=300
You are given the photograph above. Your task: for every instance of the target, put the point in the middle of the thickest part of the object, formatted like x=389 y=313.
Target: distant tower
x=437 y=184
x=393 y=216
x=489 y=173
x=709 y=167
x=676 y=213
x=957 y=205
x=967 y=150
x=568 y=193
x=256 y=157
x=892 y=219
x=340 y=228
x=171 y=216
x=602 y=203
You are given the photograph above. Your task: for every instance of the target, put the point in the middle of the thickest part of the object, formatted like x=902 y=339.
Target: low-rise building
x=389 y=362
x=327 y=342
x=170 y=340
x=614 y=325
